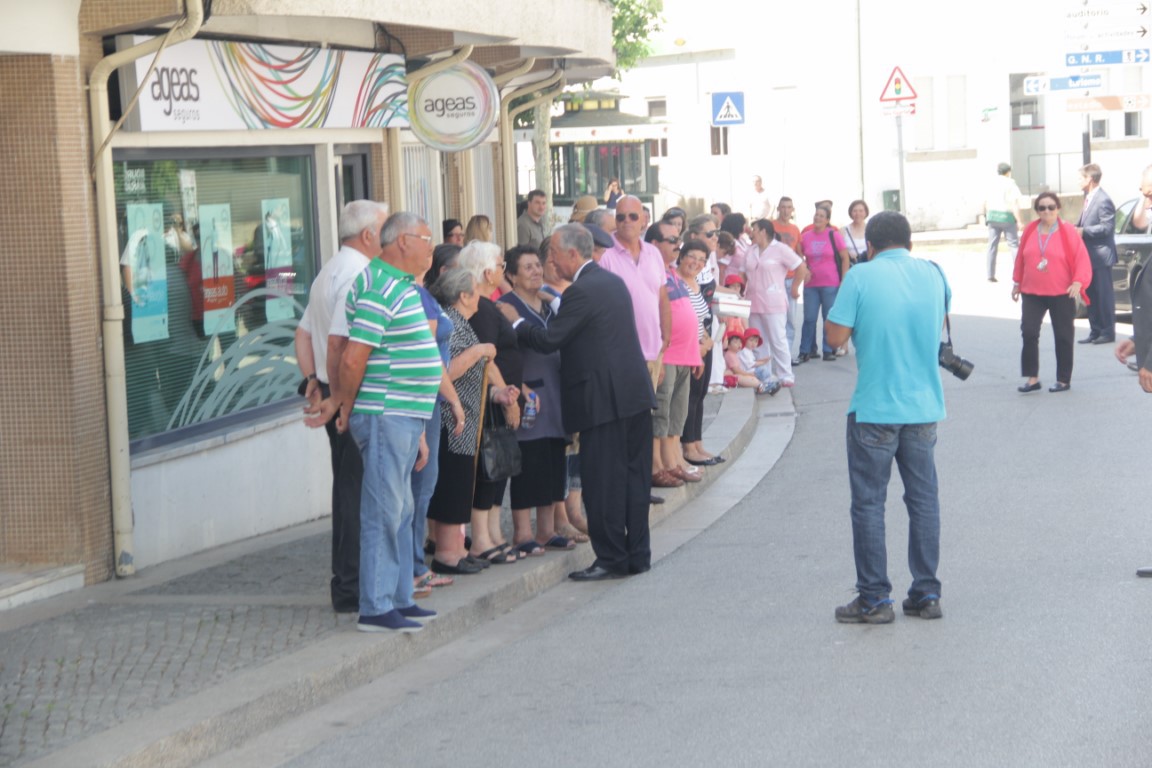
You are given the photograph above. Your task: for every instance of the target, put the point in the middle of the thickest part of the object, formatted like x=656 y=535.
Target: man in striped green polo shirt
x=385 y=389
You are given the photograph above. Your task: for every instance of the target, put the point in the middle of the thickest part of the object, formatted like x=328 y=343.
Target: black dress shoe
x=1104 y=340
x=1059 y=387
x=803 y=358
x=655 y=499
x=595 y=573
x=829 y=357
x=1087 y=340
x=1028 y=387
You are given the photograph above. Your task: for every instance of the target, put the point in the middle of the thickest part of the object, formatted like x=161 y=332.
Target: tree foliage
x=633 y=24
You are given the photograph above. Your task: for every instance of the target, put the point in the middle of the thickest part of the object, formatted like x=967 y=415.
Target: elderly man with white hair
x=359 y=231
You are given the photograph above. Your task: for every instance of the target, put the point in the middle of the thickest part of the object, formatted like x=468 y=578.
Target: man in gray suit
x=1097 y=226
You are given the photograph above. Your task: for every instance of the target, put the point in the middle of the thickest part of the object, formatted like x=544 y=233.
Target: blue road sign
x=1076 y=83
x=1098 y=58
x=728 y=108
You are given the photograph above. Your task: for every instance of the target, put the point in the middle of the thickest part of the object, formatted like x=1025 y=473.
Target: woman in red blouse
x=1052 y=269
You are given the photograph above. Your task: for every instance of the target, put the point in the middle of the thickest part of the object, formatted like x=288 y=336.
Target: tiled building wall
x=112 y=16
x=53 y=450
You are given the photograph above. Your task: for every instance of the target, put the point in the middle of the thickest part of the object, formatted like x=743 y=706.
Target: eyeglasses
x=620 y=217
x=672 y=240
x=425 y=238
x=1041 y=208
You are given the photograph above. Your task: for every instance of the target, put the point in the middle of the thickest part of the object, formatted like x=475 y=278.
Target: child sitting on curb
x=761 y=367
x=736 y=375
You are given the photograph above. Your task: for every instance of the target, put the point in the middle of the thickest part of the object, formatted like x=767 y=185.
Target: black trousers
x=697 y=391
x=1102 y=301
x=347 y=475
x=616 y=475
x=1062 y=310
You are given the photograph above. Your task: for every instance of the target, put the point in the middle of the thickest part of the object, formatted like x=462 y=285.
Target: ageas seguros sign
x=454 y=109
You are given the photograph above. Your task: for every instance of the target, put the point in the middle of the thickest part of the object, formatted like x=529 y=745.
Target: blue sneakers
x=392 y=621
x=416 y=613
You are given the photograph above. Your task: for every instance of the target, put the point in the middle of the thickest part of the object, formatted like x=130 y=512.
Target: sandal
x=496 y=556
x=431 y=579
x=512 y=554
x=559 y=542
x=462 y=568
x=570 y=532
x=530 y=548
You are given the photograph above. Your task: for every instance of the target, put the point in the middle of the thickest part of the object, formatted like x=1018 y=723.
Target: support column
x=54 y=486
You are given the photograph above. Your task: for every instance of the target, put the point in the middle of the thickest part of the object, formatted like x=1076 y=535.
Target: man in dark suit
x=1097 y=226
x=605 y=395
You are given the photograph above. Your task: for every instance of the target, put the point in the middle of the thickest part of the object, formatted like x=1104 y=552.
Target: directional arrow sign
x=1036 y=85
x=1103 y=58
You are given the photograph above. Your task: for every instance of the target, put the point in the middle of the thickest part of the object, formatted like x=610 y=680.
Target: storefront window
x=216 y=257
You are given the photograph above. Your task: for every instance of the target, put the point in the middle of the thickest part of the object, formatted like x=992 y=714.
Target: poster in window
x=145 y=273
x=217 y=268
x=279 y=274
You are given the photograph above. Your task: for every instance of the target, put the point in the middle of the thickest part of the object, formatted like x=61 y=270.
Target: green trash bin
x=891 y=199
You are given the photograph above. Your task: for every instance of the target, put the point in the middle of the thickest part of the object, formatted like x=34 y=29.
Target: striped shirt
x=404 y=370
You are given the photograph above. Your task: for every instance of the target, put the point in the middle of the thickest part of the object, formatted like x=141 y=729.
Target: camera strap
x=947 y=322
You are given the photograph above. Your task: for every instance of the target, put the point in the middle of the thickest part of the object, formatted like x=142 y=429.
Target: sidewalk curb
x=224 y=716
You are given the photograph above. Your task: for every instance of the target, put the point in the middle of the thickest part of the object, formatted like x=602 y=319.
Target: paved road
x=727 y=653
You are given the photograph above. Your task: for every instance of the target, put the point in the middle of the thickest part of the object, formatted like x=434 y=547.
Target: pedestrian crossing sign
x=728 y=108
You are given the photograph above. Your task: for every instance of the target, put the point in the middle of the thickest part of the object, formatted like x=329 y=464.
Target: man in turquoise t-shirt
x=893 y=308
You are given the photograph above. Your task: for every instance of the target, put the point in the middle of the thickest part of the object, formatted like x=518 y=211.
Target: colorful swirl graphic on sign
x=455 y=109
x=282 y=87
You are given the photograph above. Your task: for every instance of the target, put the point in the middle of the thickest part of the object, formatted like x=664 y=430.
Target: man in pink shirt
x=641 y=268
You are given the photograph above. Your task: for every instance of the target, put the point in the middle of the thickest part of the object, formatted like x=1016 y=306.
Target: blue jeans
x=816 y=299
x=423 y=483
x=389 y=446
x=871 y=448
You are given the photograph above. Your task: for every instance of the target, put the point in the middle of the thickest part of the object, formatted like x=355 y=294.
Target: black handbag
x=499 y=449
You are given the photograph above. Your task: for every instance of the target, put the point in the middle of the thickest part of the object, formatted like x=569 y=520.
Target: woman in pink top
x=767 y=264
x=1052 y=269
x=827 y=258
x=682 y=361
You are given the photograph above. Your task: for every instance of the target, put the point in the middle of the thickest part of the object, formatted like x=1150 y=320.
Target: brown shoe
x=685 y=475
x=666 y=479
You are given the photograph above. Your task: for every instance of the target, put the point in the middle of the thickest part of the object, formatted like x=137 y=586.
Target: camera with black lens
x=950 y=361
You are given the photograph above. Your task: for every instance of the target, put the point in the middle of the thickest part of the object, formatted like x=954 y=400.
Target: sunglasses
x=1046 y=208
x=710 y=233
x=673 y=240
x=620 y=217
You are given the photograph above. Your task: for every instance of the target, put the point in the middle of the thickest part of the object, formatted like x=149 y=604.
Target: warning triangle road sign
x=898 y=87
x=728 y=112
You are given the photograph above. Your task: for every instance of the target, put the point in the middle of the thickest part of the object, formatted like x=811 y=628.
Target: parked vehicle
x=1133 y=251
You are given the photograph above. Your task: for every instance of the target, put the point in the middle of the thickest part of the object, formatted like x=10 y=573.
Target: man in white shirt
x=359 y=231
x=1002 y=212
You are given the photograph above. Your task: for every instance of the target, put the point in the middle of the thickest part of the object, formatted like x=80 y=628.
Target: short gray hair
x=398 y=224
x=478 y=256
x=358 y=216
x=573 y=236
x=451 y=284
x=598 y=216
x=701 y=222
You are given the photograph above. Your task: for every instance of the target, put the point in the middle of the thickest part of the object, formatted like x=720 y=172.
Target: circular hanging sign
x=454 y=109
